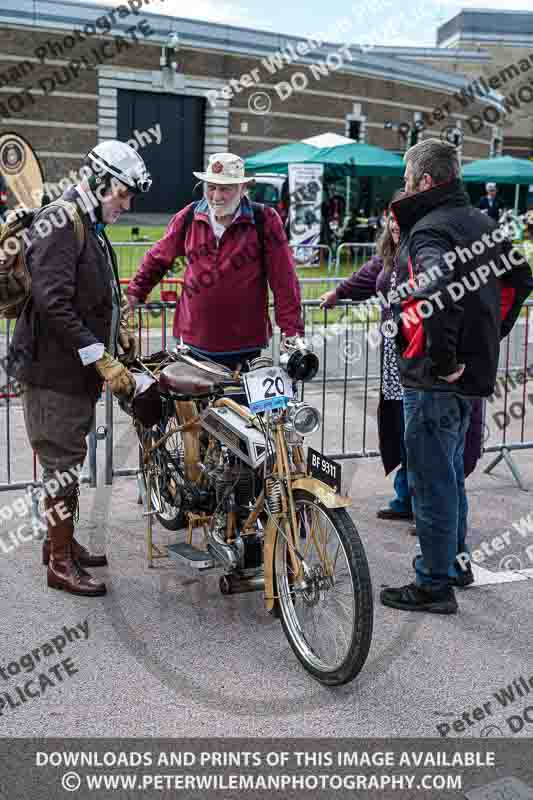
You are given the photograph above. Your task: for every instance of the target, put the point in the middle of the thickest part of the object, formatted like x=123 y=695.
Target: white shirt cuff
x=91 y=353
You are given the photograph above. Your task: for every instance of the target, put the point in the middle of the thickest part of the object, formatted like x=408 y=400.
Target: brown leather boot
x=80 y=553
x=64 y=572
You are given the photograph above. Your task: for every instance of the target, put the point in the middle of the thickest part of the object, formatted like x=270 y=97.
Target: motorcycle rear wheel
x=328 y=616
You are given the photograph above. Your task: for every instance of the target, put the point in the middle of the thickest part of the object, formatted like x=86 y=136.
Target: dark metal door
x=181 y=150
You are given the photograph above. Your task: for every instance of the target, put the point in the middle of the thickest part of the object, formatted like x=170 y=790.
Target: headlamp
x=299 y=362
x=303 y=419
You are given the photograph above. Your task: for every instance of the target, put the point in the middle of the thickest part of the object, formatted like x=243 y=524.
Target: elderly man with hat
x=235 y=249
x=490 y=203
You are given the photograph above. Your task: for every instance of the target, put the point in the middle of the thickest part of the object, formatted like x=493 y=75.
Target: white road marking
x=483 y=577
x=527 y=572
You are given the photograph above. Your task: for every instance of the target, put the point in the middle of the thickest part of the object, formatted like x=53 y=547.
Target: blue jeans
x=435 y=428
x=402 y=501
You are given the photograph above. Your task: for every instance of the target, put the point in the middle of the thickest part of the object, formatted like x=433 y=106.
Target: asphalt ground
x=167 y=655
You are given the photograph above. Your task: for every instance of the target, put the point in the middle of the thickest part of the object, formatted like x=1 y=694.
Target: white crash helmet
x=122 y=162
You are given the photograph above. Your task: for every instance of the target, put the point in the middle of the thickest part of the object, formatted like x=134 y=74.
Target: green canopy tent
x=504 y=169
x=351 y=159
x=277 y=159
x=360 y=160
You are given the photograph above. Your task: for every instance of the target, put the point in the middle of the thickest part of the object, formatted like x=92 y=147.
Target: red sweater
x=223 y=304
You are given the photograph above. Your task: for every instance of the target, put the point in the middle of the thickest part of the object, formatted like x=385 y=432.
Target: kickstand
x=505 y=454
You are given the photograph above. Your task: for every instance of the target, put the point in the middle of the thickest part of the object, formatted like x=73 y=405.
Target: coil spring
x=274 y=494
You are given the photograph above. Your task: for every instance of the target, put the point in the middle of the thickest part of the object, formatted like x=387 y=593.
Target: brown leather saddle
x=186 y=379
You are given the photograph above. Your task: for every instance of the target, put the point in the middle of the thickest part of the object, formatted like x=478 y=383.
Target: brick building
x=72 y=74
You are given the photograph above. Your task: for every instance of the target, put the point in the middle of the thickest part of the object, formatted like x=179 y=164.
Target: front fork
x=284 y=522
x=287 y=519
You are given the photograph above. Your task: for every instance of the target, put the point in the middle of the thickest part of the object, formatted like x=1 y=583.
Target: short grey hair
x=436 y=158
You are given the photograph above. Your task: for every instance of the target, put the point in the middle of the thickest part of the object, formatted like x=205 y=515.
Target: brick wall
x=331 y=97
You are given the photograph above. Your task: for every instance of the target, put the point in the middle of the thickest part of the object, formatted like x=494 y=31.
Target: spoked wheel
x=166 y=482
x=327 y=614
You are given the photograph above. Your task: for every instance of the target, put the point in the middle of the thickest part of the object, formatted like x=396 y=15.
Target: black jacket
x=438 y=227
x=70 y=308
x=494 y=210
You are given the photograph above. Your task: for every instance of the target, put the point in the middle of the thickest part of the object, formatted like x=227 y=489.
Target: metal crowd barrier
x=358 y=253
x=346 y=391
x=312 y=249
x=130 y=255
x=508 y=410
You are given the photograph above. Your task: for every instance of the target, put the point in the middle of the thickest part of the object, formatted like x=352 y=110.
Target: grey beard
x=226 y=210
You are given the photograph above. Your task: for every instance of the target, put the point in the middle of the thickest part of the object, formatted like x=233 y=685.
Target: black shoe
x=464 y=577
x=390 y=513
x=414 y=598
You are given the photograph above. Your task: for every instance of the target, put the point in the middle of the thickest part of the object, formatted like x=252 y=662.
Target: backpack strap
x=189 y=216
x=74 y=214
x=259 y=217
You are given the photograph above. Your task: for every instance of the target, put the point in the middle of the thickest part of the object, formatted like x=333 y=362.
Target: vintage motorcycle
x=223 y=452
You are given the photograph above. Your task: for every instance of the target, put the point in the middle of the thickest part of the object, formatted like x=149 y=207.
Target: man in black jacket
x=468 y=284
x=66 y=340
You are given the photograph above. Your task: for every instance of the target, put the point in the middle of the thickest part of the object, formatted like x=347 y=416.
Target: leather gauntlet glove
x=128 y=342
x=126 y=336
x=120 y=379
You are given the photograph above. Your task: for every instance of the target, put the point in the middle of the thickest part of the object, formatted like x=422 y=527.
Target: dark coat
x=360 y=286
x=494 y=210
x=451 y=244
x=70 y=308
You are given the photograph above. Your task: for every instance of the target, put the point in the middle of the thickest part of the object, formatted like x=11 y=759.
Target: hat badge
x=217 y=167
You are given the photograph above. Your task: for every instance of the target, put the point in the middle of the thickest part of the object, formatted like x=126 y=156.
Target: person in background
x=490 y=203
x=529 y=224
x=447 y=355
x=379 y=274
x=222 y=312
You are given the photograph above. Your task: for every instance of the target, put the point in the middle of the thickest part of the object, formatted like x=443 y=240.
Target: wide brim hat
x=224 y=169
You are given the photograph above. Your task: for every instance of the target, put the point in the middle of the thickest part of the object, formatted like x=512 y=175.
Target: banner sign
x=21 y=169
x=305 y=188
x=267 y=769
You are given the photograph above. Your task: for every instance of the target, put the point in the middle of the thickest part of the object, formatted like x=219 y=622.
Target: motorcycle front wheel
x=326 y=612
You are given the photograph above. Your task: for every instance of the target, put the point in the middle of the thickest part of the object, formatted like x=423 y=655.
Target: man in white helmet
x=66 y=342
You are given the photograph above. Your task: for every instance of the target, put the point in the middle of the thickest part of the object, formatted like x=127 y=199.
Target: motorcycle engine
x=234 y=483
x=238 y=479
